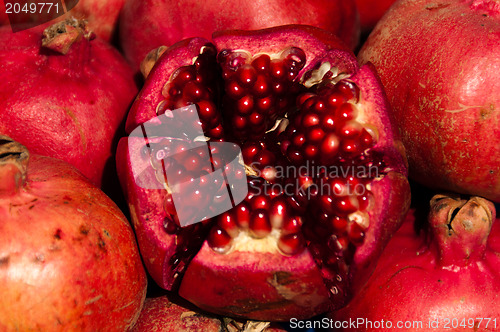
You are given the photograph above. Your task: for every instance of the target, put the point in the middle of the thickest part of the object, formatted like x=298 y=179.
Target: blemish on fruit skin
x=4 y=261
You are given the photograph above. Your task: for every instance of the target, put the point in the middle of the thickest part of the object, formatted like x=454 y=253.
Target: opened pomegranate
x=439 y=64
x=64 y=94
x=443 y=277
x=68 y=257
x=303 y=235
x=146 y=25
x=101 y=15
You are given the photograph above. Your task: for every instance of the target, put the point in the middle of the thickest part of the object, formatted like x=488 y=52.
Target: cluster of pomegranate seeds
x=264 y=213
x=326 y=129
x=194 y=84
x=259 y=89
x=265 y=158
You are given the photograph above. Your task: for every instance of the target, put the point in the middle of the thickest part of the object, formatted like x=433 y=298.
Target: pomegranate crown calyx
x=461 y=227
x=14 y=159
x=60 y=36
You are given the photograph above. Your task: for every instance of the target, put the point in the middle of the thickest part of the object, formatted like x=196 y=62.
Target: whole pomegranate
x=443 y=278
x=371 y=11
x=167 y=313
x=101 y=15
x=325 y=175
x=65 y=94
x=148 y=24
x=68 y=257
x=439 y=64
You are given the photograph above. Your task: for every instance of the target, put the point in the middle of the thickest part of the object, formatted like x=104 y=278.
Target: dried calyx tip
x=60 y=36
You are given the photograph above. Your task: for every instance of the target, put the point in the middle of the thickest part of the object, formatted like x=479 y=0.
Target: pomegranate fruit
x=438 y=63
x=160 y=314
x=446 y=273
x=102 y=16
x=147 y=25
x=168 y=313
x=68 y=256
x=370 y=12
x=59 y=97
x=302 y=236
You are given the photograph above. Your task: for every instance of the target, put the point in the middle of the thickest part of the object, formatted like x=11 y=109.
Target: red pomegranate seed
x=347 y=112
x=261 y=86
x=345 y=205
x=262 y=63
x=356 y=234
x=227 y=222
x=351 y=130
x=291 y=225
x=247 y=75
x=245 y=104
x=277 y=69
x=265 y=104
x=260 y=225
x=278 y=211
x=336 y=99
x=291 y=244
x=193 y=92
x=218 y=239
x=242 y=215
x=234 y=90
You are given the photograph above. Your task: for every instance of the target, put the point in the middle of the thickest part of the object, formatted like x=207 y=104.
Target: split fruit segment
x=311 y=171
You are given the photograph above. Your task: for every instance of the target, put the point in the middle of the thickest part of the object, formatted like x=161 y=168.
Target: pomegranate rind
x=409 y=275
x=255 y=285
x=68 y=256
x=147 y=213
x=438 y=63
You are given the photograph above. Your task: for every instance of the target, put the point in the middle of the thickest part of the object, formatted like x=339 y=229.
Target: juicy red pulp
x=325 y=128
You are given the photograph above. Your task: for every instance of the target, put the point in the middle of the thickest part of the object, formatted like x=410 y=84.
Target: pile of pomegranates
x=265 y=166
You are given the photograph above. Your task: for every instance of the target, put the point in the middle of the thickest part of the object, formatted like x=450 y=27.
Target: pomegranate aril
x=218 y=239
x=245 y=105
x=347 y=112
x=260 y=225
x=277 y=70
x=291 y=244
x=262 y=63
x=348 y=89
x=170 y=226
x=261 y=87
x=278 y=211
x=227 y=222
x=291 y=225
x=234 y=90
x=356 y=234
x=242 y=215
x=247 y=75
x=345 y=205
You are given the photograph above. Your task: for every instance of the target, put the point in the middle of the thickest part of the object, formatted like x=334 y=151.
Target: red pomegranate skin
x=439 y=64
x=371 y=11
x=159 y=314
x=102 y=16
x=258 y=282
x=445 y=274
x=146 y=25
x=68 y=256
x=68 y=106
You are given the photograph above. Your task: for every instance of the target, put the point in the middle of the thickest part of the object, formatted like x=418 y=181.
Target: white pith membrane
x=243 y=240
